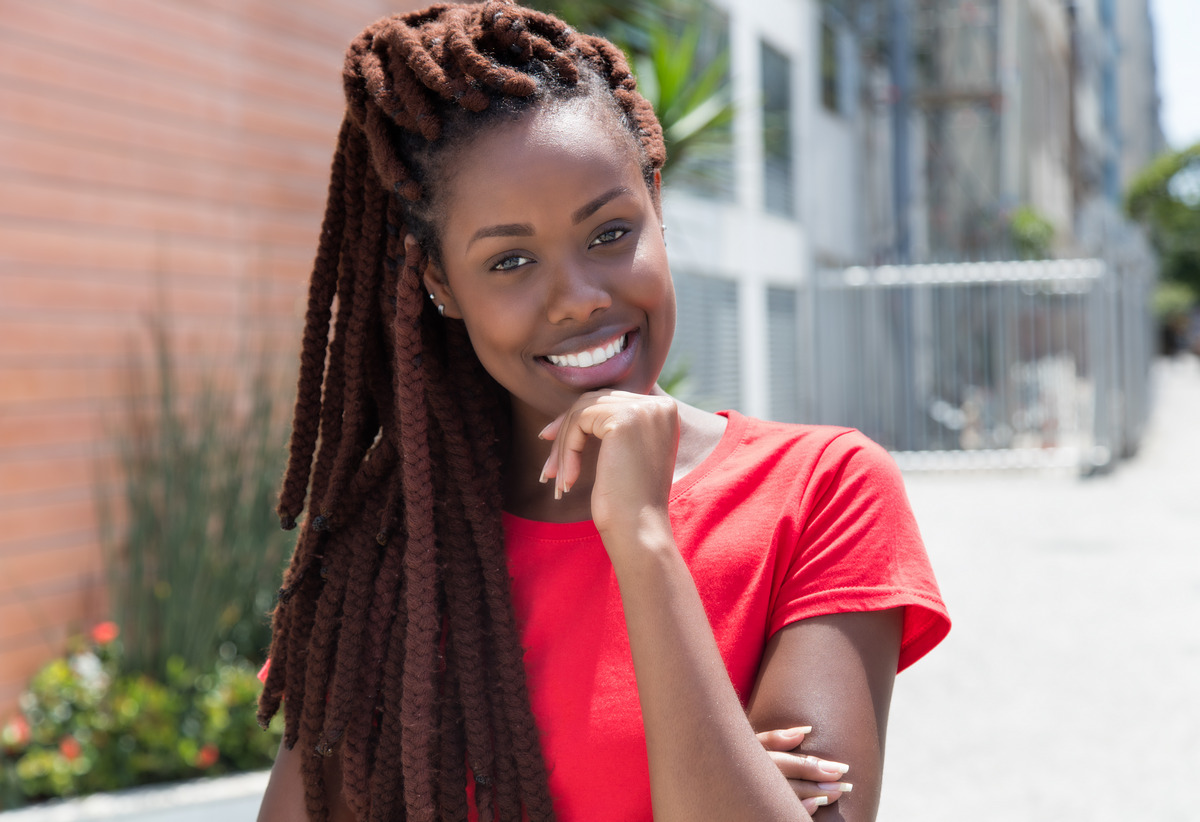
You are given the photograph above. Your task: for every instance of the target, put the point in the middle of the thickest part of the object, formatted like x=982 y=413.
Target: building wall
x=1138 y=100
x=768 y=255
x=158 y=159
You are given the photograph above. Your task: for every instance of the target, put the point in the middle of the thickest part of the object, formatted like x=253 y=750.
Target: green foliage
x=681 y=69
x=192 y=544
x=1165 y=197
x=1173 y=300
x=1030 y=233
x=85 y=726
x=690 y=95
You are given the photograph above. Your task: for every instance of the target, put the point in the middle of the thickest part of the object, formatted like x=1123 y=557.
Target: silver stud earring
x=441 y=310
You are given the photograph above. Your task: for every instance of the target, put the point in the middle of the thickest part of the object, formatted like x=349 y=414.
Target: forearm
x=705 y=762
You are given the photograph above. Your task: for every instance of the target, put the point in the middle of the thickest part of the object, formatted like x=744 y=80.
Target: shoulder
x=814 y=456
x=787 y=477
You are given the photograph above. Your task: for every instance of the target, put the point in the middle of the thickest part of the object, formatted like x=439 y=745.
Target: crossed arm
x=833 y=673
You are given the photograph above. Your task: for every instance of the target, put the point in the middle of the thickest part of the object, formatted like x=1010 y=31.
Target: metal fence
x=1012 y=364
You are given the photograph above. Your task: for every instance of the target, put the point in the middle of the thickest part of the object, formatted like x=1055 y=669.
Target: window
x=778 y=185
x=706 y=166
x=783 y=361
x=838 y=54
x=830 y=69
x=706 y=354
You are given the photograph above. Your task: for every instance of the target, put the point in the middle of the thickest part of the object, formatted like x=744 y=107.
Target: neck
x=524 y=495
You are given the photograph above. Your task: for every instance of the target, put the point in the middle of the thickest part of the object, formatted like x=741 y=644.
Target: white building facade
x=741 y=259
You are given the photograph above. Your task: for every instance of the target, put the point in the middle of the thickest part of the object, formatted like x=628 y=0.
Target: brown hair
x=394 y=636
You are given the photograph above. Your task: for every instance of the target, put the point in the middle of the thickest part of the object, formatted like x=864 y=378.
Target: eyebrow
x=526 y=230
x=595 y=205
x=504 y=230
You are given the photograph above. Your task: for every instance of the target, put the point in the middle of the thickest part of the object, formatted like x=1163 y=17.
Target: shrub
x=85 y=726
x=192 y=543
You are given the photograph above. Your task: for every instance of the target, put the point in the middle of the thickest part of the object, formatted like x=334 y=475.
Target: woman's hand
x=639 y=438
x=816 y=781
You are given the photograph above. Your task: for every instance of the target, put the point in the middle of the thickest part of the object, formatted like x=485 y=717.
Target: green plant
x=1172 y=301
x=1165 y=197
x=1031 y=233
x=679 y=53
x=85 y=726
x=690 y=95
x=192 y=545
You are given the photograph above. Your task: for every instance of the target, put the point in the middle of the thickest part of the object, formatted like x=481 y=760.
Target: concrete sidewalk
x=1069 y=688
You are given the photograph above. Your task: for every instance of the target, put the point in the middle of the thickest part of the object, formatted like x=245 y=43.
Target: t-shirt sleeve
x=858 y=548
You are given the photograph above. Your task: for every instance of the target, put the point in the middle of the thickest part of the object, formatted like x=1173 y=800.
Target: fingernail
x=557 y=492
x=542 y=433
x=838 y=768
x=814 y=802
x=800 y=730
x=542 y=478
x=843 y=787
x=566 y=487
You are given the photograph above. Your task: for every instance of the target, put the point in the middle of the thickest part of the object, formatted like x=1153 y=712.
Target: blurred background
x=970 y=228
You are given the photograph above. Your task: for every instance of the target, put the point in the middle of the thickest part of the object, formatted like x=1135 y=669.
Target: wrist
x=639 y=543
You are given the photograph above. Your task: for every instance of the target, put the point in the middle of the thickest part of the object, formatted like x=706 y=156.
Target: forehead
x=582 y=137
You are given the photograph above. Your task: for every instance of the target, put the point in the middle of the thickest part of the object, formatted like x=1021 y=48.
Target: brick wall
x=158 y=158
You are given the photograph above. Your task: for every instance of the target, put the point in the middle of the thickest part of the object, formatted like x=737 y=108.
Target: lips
x=600 y=365
x=590 y=357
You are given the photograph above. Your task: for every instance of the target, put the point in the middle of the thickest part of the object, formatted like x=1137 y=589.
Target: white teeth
x=587 y=359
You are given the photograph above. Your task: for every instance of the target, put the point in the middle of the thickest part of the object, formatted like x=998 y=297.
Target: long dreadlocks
x=394 y=637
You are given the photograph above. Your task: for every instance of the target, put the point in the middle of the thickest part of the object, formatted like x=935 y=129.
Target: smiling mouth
x=591 y=357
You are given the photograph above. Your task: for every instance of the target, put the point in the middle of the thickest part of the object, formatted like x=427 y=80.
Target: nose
x=576 y=292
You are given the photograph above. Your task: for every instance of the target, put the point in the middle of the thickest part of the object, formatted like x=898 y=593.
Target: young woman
x=532 y=585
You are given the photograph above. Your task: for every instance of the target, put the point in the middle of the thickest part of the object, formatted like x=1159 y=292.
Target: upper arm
x=284 y=798
x=834 y=673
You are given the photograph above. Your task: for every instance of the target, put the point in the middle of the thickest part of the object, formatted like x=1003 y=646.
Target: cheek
x=652 y=284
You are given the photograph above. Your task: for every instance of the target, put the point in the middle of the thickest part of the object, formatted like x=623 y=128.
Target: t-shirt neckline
x=730 y=438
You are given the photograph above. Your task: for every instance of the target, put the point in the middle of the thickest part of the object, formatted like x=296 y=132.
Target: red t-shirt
x=779 y=523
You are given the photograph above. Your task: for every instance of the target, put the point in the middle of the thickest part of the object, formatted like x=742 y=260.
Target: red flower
x=70 y=748
x=207 y=756
x=105 y=632
x=15 y=735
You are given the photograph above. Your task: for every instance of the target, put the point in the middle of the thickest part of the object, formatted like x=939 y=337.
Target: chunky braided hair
x=394 y=636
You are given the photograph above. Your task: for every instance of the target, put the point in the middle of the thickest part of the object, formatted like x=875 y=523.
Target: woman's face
x=552 y=255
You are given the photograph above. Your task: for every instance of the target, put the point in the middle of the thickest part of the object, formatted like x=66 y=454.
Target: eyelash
x=620 y=231
x=503 y=264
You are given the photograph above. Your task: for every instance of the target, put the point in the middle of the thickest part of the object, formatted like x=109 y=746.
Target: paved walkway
x=1069 y=688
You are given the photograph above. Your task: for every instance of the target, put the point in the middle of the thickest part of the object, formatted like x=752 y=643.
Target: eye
x=608 y=236
x=510 y=263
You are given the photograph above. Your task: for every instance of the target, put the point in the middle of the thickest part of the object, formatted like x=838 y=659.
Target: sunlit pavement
x=226 y=799
x=1069 y=688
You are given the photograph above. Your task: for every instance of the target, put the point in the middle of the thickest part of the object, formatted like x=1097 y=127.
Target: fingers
x=812 y=803
x=569 y=434
x=783 y=740
x=597 y=415
x=816 y=782
x=809 y=768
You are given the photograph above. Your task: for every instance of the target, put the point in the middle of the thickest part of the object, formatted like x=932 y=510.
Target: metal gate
x=1010 y=364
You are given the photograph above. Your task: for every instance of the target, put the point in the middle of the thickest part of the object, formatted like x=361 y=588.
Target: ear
x=658 y=193
x=434 y=280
